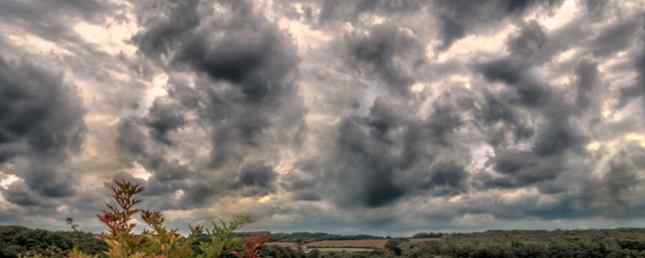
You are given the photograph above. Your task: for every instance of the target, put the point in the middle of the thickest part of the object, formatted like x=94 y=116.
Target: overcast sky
x=371 y=116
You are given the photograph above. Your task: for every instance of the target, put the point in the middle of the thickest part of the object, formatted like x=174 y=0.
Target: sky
x=361 y=116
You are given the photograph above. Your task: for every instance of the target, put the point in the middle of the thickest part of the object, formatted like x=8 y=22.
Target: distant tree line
x=307 y=236
x=18 y=241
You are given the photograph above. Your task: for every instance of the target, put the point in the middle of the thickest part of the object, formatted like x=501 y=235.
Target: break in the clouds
x=338 y=116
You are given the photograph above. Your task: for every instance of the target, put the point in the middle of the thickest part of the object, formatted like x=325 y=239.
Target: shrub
x=157 y=241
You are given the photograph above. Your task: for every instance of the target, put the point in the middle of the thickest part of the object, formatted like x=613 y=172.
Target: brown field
x=372 y=243
x=348 y=250
x=290 y=245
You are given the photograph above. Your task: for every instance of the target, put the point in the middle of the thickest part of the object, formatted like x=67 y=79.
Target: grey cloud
x=334 y=124
x=457 y=18
x=163 y=31
x=613 y=194
x=245 y=97
x=545 y=121
x=19 y=194
x=596 y=8
x=389 y=155
x=255 y=62
x=493 y=110
x=258 y=176
x=138 y=142
x=387 y=51
x=528 y=44
x=525 y=89
x=522 y=168
x=50 y=19
x=165 y=116
x=638 y=63
x=447 y=178
x=616 y=37
x=587 y=84
x=42 y=124
x=336 y=10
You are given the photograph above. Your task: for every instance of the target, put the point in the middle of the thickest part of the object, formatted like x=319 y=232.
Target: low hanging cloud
x=373 y=116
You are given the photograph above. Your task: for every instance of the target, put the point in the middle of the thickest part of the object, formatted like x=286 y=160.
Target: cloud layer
x=339 y=116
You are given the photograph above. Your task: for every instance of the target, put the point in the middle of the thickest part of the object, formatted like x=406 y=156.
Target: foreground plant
x=252 y=246
x=157 y=241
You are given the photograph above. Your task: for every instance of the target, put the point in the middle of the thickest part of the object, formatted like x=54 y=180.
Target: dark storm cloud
x=345 y=114
x=613 y=194
x=455 y=19
x=588 y=82
x=524 y=88
x=538 y=114
x=19 y=194
x=523 y=168
x=389 y=154
x=494 y=110
x=164 y=117
x=258 y=176
x=245 y=97
x=386 y=51
x=256 y=63
x=41 y=125
x=50 y=19
x=461 y=17
x=163 y=31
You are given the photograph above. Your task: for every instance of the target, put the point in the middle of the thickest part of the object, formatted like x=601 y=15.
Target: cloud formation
x=373 y=116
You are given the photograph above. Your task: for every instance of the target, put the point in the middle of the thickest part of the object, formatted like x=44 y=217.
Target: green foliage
x=160 y=242
x=16 y=241
x=220 y=238
x=281 y=252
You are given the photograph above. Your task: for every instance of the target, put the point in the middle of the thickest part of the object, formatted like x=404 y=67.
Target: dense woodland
x=17 y=240
x=506 y=244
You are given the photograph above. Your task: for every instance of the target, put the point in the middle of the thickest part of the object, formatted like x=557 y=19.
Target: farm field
x=371 y=244
x=338 y=249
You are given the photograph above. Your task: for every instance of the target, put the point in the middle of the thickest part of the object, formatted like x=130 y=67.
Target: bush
x=160 y=242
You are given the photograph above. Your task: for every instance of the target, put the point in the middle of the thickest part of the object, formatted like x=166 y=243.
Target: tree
x=71 y=224
x=394 y=246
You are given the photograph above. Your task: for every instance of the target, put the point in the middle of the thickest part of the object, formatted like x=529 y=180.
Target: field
x=334 y=249
x=290 y=245
x=363 y=245
x=369 y=244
